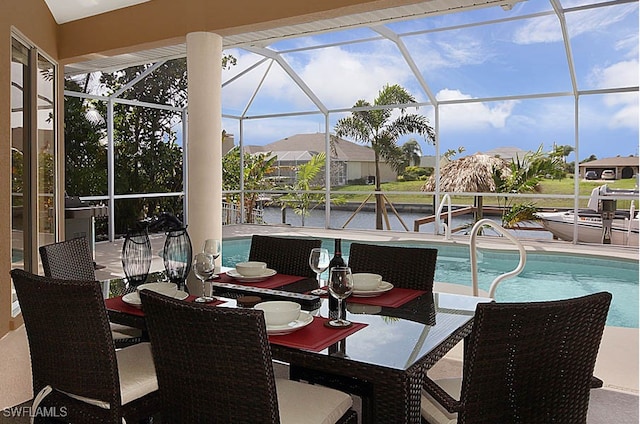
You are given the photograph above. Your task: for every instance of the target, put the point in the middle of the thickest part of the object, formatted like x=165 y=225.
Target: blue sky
x=460 y=61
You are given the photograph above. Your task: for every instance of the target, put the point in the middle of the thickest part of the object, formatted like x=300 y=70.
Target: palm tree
x=300 y=199
x=375 y=127
x=562 y=151
x=411 y=152
x=524 y=177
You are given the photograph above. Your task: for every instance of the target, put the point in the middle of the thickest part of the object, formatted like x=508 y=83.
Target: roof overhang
x=246 y=37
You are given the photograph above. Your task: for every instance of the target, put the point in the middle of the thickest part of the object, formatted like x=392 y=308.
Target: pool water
x=546 y=276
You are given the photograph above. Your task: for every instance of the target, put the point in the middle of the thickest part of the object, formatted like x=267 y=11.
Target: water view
x=365 y=220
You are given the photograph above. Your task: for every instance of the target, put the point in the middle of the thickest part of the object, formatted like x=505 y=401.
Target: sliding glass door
x=33 y=154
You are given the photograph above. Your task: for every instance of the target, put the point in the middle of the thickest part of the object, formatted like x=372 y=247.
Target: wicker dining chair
x=524 y=362
x=78 y=375
x=286 y=255
x=72 y=260
x=214 y=366
x=405 y=267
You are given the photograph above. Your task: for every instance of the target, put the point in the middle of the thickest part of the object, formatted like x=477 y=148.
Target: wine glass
x=319 y=261
x=340 y=287
x=214 y=248
x=204 y=268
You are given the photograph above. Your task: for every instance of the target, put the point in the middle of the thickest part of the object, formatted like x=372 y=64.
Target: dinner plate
x=382 y=288
x=237 y=276
x=161 y=287
x=304 y=319
x=133 y=298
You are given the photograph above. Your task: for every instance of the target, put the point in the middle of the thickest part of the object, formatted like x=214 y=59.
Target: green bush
x=414 y=173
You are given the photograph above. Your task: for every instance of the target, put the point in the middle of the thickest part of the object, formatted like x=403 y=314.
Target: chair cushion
x=137 y=372
x=137 y=375
x=435 y=413
x=119 y=331
x=301 y=402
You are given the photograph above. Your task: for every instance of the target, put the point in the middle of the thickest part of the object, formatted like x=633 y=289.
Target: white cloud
x=538 y=30
x=471 y=116
x=340 y=77
x=623 y=107
x=621 y=74
x=547 y=29
x=336 y=76
x=629 y=44
x=453 y=50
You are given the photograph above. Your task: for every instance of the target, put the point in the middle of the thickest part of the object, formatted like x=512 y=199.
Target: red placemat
x=315 y=336
x=394 y=298
x=118 y=305
x=270 y=283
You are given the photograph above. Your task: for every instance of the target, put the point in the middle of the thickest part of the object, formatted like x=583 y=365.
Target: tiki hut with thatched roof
x=470 y=174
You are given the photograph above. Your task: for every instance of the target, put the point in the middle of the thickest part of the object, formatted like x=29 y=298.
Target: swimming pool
x=546 y=276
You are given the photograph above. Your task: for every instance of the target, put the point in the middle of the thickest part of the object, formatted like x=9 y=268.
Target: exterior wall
x=357 y=170
x=33 y=20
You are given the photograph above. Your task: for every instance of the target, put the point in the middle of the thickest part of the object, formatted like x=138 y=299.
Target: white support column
x=204 y=150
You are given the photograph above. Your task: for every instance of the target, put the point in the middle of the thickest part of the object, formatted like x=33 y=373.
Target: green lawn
x=412 y=193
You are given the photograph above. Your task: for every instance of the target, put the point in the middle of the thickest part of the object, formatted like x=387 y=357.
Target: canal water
x=365 y=220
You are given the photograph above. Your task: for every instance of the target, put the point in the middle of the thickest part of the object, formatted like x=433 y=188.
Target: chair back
x=70 y=259
x=285 y=255
x=405 y=267
x=69 y=337
x=213 y=364
x=532 y=362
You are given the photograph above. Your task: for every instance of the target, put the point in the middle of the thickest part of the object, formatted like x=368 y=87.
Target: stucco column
x=204 y=151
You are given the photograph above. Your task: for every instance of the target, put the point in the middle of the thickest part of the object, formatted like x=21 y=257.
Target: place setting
x=370 y=289
x=367 y=284
x=257 y=274
x=288 y=325
x=283 y=317
x=165 y=288
x=251 y=272
x=364 y=285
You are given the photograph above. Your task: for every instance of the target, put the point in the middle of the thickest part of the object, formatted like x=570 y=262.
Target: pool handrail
x=474 y=258
x=437 y=222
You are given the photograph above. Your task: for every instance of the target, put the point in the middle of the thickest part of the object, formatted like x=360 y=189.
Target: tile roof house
x=624 y=167
x=351 y=161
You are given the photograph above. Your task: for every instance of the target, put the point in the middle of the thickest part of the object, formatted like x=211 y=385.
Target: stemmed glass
x=214 y=248
x=319 y=261
x=340 y=287
x=204 y=268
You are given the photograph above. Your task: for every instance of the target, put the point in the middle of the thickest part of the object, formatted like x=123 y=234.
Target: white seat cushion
x=137 y=375
x=137 y=372
x=306 y=403
x=119 y=331
x=435 y=413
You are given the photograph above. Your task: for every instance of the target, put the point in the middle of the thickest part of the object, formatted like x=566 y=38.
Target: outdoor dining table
x=384 y=354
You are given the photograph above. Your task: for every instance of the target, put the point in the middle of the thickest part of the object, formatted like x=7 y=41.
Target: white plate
x=133 y=299
x=304 y=319
x=162 y=287
x=237 y=276
x=382 y=288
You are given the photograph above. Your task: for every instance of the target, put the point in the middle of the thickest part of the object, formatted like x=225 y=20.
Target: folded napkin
x=394 y=298
x=270 y=283
x=315 y=336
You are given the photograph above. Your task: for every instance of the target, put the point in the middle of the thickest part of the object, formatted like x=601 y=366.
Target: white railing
x=232 y=214
x=438 y=222
x=474 y=259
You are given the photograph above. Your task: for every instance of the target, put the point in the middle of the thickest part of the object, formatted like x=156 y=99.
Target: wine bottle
x=336 y=261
